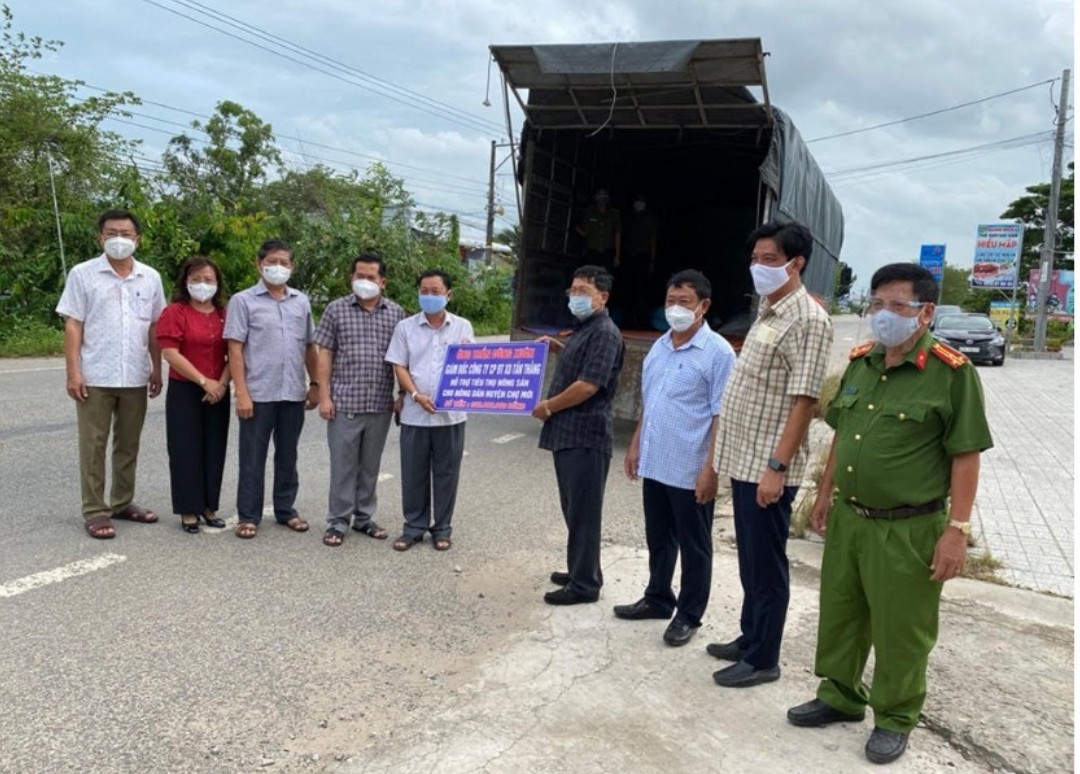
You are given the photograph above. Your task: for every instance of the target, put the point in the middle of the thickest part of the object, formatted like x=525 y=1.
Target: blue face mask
x=580 y=306
x=433 y=304
x=892 y=329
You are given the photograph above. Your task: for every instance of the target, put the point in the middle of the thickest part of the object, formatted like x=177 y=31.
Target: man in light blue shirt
x=432 y=443
x=682 y=385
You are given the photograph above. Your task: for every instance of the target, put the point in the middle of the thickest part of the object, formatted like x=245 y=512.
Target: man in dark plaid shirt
x=578 y=430
x=356 y=395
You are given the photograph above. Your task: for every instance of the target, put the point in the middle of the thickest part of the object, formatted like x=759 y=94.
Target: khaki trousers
x=121 y=409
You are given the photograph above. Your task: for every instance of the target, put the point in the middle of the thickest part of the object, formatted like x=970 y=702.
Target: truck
x=677 y=123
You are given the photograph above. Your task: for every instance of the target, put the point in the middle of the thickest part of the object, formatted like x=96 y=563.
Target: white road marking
x=508 y=438
x=230 y=522
x=385 y=477
x=31 y=370
x=48 y=577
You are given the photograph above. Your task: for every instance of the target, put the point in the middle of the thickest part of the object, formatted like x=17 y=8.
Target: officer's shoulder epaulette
x=861 y=350
x=950 y=356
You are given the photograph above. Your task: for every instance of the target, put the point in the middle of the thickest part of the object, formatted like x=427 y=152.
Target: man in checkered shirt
x=762 y=446
x=356 y=395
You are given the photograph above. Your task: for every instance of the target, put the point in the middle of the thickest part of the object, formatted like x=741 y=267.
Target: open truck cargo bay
x=676 y=121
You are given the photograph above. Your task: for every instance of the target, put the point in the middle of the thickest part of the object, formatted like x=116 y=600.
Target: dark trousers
x=430 y=468
x=761 y=538
x=282 y=421
x=675 y=522
x=605 y=258
x=582 y=475
x=197 y=434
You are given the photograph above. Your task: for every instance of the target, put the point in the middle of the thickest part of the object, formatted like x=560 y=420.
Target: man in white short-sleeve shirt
x=111 y=304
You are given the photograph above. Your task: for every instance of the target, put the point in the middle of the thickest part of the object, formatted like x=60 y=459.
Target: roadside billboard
x=997 y=255
x=1002 y=311
x=1059 y=303
x=932 y=258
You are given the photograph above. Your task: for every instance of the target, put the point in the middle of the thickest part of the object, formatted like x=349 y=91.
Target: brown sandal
x=441 y=544
x=404 y=543
x=332 y=538
x=246 y=530
x=296 y=524
x=100 y=528
x=134 y=513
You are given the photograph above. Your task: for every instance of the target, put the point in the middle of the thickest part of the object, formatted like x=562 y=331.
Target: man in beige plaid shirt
x=762 y=446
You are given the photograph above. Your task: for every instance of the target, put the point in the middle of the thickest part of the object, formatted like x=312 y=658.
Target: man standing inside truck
x=578 y=431
x=602 y=229
x=762 y=446
x=635 y=273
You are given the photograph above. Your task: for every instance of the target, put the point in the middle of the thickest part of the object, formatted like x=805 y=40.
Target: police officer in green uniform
x=602 y=229
x=896 y=495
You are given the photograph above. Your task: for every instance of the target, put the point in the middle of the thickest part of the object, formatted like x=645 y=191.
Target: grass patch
x=30 y=338
x=983 y=567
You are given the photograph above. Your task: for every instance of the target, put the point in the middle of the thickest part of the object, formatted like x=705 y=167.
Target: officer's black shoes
x=743 y=675
x=639 y=611
x=885 y=746
x=727 y=651
x=565 y=596
x=816 y=713
x=679 y=632
x=560 y=578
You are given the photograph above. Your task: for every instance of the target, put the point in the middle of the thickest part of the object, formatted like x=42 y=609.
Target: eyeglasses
x=896 y=307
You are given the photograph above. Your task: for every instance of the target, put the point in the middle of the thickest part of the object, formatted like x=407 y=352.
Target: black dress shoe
x=743 y=675
x=816 y=713
x=560 y=578
x=565 y=596
x=679 y=632
x=728 y=651
x=191 y=527
x=639 y=611
x=885 y=746
x=212 y=520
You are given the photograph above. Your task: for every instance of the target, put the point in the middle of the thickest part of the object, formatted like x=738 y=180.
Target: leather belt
x=894 y=514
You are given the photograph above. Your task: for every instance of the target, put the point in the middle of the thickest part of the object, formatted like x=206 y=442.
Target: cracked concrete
x=585 y=692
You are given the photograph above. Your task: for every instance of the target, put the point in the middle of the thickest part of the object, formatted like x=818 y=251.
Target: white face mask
x=365 y=289
x=119 y=248
x=276 y=275
x=892 y=329
x=679 y=317
x=201 y=291
x=769 y=279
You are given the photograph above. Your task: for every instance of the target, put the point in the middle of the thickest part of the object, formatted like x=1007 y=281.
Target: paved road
x=169 y=652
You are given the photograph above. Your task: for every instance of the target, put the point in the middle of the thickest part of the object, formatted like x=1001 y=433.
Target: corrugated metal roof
x=686 y=84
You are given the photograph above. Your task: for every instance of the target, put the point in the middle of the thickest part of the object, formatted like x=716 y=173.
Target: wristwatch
x=777 y=465
x=963 y=526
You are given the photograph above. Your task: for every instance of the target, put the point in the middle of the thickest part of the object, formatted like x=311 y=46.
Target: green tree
x=49 y=137
x=229 y=167
x=1030 y=210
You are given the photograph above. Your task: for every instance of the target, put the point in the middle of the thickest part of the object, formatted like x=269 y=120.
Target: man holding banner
x=578 y=431
x=432 y=443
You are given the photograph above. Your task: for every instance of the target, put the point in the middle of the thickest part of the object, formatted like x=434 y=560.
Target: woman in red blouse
x=197 y=403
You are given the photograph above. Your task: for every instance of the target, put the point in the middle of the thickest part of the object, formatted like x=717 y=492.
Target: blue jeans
x=282 y=421
x=761 y=539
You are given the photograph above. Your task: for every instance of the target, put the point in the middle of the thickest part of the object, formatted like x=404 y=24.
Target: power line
x=476 y=125
x=1024 y=139
x=933 y=112
x=324 y=146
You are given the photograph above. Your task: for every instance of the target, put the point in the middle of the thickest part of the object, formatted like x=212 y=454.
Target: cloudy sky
x=833 y=65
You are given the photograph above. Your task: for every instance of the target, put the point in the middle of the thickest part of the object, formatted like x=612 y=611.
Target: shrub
x=28 y=336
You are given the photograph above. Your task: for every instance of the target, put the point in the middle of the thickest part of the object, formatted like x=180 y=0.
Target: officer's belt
x=903 y=512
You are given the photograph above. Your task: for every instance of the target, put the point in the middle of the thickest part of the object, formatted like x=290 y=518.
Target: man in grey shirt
x=432 y=443
x=270 y=335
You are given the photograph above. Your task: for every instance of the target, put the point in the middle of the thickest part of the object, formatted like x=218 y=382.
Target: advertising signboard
x=997 y=255
x=932 y=258
x=497 y=378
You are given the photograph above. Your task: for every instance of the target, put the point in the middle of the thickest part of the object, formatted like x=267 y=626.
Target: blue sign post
x=498 y=378
x=932 y=258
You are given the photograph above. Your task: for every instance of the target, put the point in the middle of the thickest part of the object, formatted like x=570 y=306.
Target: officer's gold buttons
x=902 y=416
x=850 y=469
x=871 y=407
x=858 y=437
x=884 y=378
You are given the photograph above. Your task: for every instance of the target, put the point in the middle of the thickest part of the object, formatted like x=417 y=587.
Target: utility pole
x=1046 y=262
x=489 y=251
